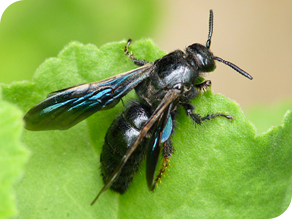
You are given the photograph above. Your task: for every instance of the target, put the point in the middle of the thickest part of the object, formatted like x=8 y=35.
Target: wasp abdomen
x=120 y=136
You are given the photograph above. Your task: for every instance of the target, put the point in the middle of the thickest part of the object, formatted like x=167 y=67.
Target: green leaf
x=220 y=169
x=13 y=155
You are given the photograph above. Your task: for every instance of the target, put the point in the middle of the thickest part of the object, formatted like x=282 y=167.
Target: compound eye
x=207 y=62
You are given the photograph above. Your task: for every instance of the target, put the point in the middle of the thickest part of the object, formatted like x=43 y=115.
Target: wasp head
x=201 y=56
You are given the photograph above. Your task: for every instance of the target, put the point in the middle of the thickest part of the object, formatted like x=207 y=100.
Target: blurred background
x=253 y=34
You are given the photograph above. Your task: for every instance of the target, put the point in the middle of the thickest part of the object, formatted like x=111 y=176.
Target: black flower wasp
x=145 y=126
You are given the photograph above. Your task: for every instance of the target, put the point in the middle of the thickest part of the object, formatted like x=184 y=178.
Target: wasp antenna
x=208 y=43
x=236 y=68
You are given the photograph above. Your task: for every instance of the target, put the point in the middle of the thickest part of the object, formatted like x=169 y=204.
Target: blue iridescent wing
x=161 y=133
x=67 y=107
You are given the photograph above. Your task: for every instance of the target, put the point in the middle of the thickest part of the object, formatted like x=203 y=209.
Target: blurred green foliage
x=32 y=30
x=267 y=116
x=13 y=155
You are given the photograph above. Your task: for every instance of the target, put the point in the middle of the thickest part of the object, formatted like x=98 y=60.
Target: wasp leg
x=165 y=164
x=167 y=151
x=131 y=56
x=198 y=119
x=203 y=86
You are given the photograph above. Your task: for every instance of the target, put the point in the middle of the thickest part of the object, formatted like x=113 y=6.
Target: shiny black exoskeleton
x=119 y=138
x=145 y=126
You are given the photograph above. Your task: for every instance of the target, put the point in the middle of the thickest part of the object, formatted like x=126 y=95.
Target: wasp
x=144 y=128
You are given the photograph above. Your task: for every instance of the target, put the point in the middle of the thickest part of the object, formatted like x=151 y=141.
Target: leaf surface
x=220 y=169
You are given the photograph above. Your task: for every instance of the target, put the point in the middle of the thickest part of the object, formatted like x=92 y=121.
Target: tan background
x=256 y=35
